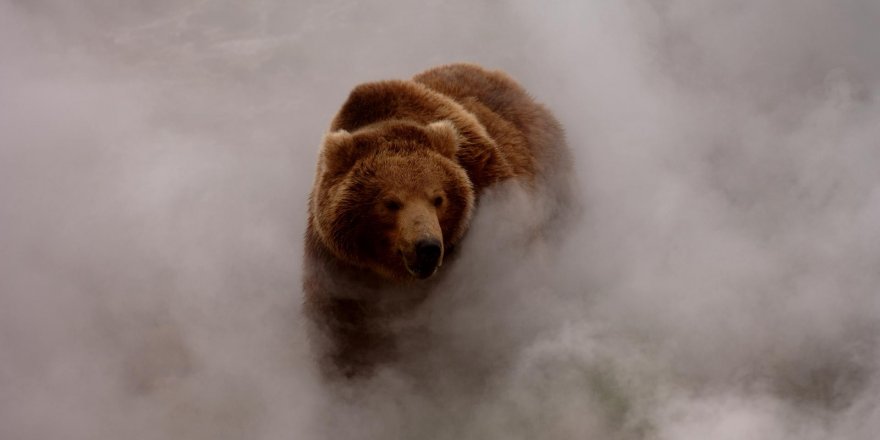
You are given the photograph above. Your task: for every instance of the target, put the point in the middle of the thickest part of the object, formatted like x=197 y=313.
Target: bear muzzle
x=426 y=258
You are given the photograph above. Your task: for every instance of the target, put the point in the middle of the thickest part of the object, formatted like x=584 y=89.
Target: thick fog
x=722 y=283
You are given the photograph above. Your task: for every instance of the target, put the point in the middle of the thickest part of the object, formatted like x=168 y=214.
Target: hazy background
x=155 y=159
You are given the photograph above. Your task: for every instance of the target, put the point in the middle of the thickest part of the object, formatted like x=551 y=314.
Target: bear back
x=373 y=103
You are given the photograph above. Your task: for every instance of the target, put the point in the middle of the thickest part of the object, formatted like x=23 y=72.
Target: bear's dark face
x=392 y=199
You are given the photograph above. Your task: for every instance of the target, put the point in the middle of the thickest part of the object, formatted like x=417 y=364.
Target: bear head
x=391 y=198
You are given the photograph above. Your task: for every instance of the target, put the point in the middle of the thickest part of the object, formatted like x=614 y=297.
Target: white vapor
x=156 y=156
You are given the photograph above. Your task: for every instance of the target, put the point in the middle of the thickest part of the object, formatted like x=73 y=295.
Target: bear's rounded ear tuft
x=337 y=152
x=444 y=137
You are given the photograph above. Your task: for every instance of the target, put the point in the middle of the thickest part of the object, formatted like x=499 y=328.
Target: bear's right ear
x=337 y=153
x=444 y=137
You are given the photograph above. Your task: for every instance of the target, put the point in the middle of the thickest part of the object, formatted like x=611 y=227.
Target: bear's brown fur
x=397 y=181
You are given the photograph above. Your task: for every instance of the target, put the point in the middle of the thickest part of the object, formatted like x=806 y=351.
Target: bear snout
x=426 y=258
x=428 y=253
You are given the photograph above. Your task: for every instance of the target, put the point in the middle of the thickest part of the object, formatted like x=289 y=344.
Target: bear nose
x=428 y=250
x=427 y=256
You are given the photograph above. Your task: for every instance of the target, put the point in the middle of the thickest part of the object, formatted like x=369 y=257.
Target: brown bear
x=399 y=175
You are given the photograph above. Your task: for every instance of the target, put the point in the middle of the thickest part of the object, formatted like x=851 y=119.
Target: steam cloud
x=155 y=158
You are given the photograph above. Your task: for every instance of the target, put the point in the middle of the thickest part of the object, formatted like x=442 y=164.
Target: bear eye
x=392 y=205
x=438 y=201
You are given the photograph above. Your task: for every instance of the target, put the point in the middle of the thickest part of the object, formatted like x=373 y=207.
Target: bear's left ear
x=444 y=137
x=337 y=153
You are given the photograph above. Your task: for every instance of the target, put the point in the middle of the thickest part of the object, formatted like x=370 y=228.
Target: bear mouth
x=421 y=269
